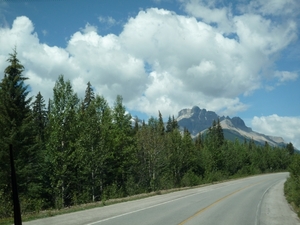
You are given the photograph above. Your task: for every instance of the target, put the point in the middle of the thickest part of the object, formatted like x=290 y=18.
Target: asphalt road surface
x=256 y=200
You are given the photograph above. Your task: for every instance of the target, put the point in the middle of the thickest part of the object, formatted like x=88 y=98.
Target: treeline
x=73 y=151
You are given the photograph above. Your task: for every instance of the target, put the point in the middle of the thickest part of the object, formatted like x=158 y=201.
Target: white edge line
x=138 y=210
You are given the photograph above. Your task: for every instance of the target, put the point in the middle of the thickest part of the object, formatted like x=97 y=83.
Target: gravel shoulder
x=275 y=209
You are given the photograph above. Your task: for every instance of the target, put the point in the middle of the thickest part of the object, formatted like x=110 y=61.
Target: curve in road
x=254 y=200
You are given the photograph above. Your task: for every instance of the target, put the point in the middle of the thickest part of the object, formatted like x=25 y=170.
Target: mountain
x=195 y=119
x=198 y=120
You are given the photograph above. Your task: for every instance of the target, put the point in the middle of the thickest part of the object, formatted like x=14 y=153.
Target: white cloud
x=284 y=76
x=209 y=13
x=281 y=77
x=89 y=28
x=108 y=20
x=161 y=60
x=274 y=7
x=45 y=32
x=285 y=127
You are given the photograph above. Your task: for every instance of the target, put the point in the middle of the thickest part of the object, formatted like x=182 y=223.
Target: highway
x=256 y=200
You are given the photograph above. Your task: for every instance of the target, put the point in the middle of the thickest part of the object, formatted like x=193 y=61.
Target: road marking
x=198 y=192
x=149 y=207
x=138 y=210
x=214 y=203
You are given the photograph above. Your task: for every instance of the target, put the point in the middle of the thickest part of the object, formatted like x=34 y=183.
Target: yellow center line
x=214 y=203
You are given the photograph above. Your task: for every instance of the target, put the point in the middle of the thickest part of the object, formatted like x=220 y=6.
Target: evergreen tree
x=89 y=95
x=290 y=148
x=169 y=126
x=136 y=125
x=199 y=142
x=188 y=148
x=39 y=116
x=213 y=142
x=174 y=123
x=16 y=129
x=161 y=126
x=220 y=134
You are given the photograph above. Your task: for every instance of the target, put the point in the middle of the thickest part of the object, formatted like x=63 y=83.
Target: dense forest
x=70 y=151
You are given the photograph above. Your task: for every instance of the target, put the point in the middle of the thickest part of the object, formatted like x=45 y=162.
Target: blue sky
x=238 y=58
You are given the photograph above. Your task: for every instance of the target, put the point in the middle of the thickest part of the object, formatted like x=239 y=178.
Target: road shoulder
x=280 y=212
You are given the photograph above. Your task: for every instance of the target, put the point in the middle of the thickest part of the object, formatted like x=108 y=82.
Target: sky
x=237 y=58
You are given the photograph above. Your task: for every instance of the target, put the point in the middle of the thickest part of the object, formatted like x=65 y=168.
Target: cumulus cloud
x=161 y=60
x=285 y=127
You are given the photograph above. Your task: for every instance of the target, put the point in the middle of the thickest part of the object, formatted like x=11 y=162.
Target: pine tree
x=174 y=123
x=161 y=126
x=16 y=129
x=89 y=95
x=290 y=148
x=136 y=125
x=39 y=116
x=213 y=143
x=169 y=126
x=220 y=134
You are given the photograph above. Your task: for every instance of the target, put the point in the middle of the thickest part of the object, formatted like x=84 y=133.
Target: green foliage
x=290 y=148
x=292 y=185
x=190 y=179
x=62 y=133
x=17 y=128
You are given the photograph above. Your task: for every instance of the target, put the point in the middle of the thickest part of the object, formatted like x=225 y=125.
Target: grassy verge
x=292 y=185
x=292 y=194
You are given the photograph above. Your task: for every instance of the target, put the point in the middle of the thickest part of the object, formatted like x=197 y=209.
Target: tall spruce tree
x=39 y=117
x=89 y=95
x=161 y=126
x=169 y=126
x=16 y=130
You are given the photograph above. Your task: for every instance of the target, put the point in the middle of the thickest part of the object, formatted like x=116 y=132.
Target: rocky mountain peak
x=197 y=120
x=239 y=123
x=196 y=110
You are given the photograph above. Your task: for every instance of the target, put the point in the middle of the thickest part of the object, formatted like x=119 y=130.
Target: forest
x=71 y=151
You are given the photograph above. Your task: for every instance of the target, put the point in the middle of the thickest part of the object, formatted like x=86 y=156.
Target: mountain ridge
x=197 y=121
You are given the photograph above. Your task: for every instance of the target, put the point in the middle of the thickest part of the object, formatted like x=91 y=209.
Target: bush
x=292 y=185
x=214 y=176
x=190 y=179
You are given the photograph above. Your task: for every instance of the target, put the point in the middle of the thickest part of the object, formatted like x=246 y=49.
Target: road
x=256 y=200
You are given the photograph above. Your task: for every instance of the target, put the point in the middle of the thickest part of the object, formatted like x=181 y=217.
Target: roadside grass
x=292 y=185
x=292 y=195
